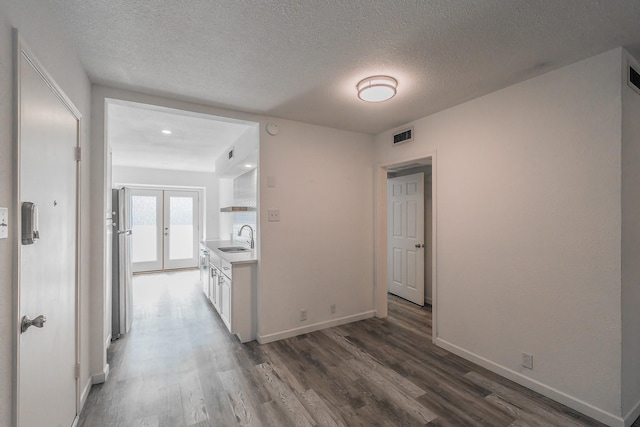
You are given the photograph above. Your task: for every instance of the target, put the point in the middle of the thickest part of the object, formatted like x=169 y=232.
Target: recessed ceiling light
x=248 y=165
x=377 y=88
x=166 y=131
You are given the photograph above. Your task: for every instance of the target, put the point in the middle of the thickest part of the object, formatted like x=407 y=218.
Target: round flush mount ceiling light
x=166 y=131
x=377 y=88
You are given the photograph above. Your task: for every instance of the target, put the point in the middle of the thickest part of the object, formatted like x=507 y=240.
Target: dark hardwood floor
x=180 y=367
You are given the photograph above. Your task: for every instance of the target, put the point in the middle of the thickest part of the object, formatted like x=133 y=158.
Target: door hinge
x=77 y=370
x=78 y=154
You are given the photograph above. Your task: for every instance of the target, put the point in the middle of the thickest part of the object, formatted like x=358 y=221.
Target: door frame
x=20 y=48
x=380 y=234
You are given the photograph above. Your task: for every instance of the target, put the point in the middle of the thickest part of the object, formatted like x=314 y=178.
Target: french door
x=165 y=226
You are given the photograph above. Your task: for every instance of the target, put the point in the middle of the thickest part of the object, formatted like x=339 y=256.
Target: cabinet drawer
x=214 y=259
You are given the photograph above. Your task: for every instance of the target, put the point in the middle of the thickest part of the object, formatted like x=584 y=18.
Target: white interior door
x=47 y=281
x=146 y=229
x=181 y=229
x=405 y=237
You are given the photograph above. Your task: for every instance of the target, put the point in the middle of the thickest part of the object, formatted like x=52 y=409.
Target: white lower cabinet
x=232 y=291
x=213 y=278
x=225 y=301
x=216 y=290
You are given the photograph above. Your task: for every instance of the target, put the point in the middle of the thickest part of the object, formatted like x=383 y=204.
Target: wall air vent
x=404 y=136
x=634 y=79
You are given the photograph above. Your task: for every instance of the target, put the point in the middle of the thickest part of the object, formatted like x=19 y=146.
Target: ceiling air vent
x=403 y=136
x=634 y=79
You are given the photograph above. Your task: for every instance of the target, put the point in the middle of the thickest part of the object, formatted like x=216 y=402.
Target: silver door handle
x=125 y=232
x=38 y=322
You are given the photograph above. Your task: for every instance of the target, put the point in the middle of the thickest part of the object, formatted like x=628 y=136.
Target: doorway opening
x=176 y=169
x=405 y=237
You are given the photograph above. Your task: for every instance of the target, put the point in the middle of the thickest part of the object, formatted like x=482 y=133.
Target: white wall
x=225 y=198
x=321 y=252
x=164 y=177
x=630 y=245
x=45 y=39
x=245 y=150
x=528 y=208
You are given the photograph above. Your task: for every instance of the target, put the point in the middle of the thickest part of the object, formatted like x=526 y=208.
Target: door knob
x=38 y=322
x=418 y=246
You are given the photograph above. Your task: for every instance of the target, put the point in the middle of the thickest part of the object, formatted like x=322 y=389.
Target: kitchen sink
x=234 y=249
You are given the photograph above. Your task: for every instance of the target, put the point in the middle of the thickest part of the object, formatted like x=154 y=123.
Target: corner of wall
x=630 y=247
x=502 y=241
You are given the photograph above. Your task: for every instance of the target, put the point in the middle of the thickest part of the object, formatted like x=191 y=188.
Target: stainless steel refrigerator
x=121 y=269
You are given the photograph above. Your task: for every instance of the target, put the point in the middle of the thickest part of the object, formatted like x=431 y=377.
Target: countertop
x=233 y=258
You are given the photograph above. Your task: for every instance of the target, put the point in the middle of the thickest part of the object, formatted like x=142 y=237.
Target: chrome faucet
x=252 y=243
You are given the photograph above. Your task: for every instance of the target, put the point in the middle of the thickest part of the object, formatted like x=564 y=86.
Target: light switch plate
x=4 y=223
x=274 y=215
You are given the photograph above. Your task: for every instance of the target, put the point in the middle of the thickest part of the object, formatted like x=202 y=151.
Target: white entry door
x=405 y=236
x=47 y=281
x=165 y=227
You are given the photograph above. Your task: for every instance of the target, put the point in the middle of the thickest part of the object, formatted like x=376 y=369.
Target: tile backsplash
x=245 y=193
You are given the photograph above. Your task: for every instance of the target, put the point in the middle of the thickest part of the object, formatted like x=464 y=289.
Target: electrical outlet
x=527 y=360
x=332 y=309
x=303 y=315
x=273 y=215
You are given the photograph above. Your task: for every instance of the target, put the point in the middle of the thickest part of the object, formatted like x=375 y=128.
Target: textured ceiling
x=301 y=59
x=136 y=138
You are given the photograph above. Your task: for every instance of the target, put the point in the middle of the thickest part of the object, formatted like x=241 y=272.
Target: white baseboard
x=85 y=392
x=100 y=377
x=633 y=414
x=263 y=339
x=550 y=392
x=107 y=343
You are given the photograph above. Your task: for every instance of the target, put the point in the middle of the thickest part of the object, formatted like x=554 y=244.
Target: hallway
x=179 y=367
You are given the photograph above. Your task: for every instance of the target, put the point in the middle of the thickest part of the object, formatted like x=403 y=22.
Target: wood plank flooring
x=180 y=367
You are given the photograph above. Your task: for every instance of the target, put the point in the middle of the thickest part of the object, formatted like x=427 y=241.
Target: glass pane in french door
x=144 y=228
x=181 y=227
